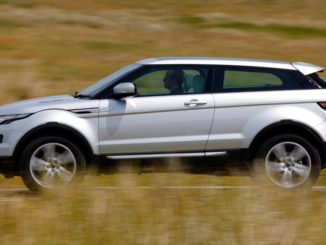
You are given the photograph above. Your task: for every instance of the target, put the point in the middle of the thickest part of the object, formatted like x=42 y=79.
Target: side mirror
x=124 y=89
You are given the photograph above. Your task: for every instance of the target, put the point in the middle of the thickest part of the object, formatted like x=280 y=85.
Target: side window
x=171 y=80
x=151 y=83
x=241 y=79
x=252 y=79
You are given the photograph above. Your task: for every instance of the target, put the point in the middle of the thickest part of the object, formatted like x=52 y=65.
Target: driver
x=173 y=81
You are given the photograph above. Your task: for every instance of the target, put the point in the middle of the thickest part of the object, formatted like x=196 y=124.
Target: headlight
x=5 y=119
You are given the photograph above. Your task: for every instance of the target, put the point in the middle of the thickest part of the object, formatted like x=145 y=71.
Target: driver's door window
x=151 y=83
x=171 y=80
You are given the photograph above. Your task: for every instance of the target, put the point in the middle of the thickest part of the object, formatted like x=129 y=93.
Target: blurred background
x=58 y=47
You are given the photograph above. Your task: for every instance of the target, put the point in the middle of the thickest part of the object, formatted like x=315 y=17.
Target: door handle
x=105 y=109
x=195 y=102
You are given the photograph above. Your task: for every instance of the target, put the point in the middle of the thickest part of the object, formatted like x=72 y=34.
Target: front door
x=172 y=112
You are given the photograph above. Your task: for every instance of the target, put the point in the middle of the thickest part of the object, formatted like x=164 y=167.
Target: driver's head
x=173 y=79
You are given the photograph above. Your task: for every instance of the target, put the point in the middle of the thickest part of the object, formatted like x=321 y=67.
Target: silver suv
x=267 y=115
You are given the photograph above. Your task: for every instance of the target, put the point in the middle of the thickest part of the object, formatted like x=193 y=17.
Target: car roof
x=304 y=68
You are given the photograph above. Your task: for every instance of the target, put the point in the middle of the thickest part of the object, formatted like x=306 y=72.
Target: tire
x=51 y=162
x=288 y=161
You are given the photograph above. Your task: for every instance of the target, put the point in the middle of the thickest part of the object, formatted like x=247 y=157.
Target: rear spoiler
x=307 y=69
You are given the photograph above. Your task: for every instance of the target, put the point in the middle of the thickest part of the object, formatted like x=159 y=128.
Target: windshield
x=105 y=82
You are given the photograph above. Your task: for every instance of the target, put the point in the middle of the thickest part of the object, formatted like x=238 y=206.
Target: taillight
x=322 y=105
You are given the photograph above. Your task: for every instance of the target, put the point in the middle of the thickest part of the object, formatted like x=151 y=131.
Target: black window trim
x=316 y=81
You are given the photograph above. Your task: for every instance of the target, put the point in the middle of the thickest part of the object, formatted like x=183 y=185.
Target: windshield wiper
x=78 y=95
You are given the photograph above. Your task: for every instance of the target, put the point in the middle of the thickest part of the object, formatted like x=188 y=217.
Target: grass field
x=83 y=215
x=58 y=47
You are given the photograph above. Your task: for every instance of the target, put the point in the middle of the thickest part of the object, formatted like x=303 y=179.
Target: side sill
x=167 y=155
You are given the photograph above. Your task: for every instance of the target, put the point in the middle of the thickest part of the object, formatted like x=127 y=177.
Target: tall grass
x=83 y=215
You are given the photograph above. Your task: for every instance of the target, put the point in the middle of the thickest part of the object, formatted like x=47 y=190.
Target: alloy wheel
x=288 y=164
x=52 y=165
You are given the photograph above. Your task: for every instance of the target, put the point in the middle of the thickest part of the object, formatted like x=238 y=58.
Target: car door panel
x=155 y=123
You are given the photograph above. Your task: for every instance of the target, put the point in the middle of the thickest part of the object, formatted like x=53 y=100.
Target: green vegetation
x=19 y=3
x=12 y=24
x=84 y=23
x=97 y=45
x=189 y=19
x=5 y=46
x=291 y=31
x=114 y=47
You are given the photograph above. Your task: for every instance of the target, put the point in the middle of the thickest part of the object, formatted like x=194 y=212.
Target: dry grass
x=65 y=45
x=54 y=47
x=83 y=215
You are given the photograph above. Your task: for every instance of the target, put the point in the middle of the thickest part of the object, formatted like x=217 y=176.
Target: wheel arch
x=288 y=126
x=53 y=129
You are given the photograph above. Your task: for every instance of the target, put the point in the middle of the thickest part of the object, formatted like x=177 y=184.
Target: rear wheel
x=288 y=161
x=51 y=162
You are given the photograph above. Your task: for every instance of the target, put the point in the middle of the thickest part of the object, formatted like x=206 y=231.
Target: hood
x=62 y=102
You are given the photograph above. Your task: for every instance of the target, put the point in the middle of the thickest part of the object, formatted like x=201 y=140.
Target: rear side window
x=251 y=79
x=247 y=79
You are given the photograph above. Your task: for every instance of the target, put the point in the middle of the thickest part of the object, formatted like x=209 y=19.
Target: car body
x=255 y=110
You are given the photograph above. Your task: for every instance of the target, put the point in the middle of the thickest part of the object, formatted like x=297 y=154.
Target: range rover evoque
x=267 y=115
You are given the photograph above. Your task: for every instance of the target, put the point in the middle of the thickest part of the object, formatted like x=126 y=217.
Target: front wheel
x=288 y=161
x=51 y=162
